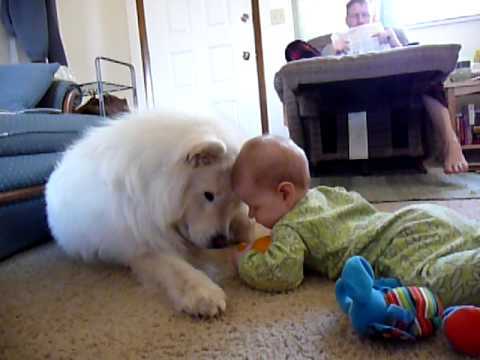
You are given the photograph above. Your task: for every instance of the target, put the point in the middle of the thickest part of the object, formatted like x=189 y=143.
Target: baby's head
x=270 y=175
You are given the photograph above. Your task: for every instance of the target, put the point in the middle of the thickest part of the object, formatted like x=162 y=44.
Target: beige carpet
x=435 y=185
x=53 y=308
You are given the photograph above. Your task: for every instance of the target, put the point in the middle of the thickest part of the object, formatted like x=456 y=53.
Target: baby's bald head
x=268 y=160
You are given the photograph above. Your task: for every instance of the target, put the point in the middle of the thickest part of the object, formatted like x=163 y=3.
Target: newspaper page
x=361 y=39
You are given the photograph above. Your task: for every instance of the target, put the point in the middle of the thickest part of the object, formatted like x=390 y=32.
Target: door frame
x=257 y=30
x=145 y=51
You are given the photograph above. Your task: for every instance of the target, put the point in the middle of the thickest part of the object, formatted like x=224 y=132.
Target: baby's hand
x=240 y=250
x=261 y=245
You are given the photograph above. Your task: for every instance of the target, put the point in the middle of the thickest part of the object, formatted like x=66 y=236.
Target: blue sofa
x=31 y=143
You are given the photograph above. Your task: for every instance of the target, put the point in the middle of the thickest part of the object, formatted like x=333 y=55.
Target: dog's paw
x=204 y=299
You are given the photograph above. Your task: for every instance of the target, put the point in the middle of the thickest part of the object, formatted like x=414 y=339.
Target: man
x=358 y=13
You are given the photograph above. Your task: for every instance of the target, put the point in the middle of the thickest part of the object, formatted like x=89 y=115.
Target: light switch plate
x=277 y=16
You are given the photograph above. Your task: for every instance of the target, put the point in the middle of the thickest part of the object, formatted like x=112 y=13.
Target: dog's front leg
x=189 y=289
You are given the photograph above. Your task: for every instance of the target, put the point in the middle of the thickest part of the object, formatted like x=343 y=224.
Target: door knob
x=245 y=17
x=246 y=55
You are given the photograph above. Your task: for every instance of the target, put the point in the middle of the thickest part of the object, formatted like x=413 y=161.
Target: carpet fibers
x=434 y=185
x=54 y=308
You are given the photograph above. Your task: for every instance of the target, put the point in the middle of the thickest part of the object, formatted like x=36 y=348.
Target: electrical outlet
x=277 y=16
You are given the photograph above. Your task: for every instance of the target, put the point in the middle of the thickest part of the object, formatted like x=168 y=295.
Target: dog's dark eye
x=209 y=196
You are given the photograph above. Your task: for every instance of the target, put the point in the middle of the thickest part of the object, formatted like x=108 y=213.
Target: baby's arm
x=280 y=267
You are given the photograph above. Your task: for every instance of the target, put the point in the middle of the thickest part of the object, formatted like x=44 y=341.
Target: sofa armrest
x=63 y=95
x=72 y=100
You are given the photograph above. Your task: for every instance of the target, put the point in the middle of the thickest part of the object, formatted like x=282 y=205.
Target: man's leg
x=453 y=159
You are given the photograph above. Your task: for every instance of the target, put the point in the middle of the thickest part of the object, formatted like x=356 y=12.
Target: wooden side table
x=455 y=90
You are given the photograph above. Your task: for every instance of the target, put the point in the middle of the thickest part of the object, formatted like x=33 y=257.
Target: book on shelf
x=468 y=125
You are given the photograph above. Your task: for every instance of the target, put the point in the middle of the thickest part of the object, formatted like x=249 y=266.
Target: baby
x=421 y=245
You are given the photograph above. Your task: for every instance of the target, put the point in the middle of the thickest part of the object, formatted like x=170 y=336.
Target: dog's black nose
x=219 y=241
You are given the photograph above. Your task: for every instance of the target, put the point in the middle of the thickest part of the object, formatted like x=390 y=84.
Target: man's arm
x=280 y=267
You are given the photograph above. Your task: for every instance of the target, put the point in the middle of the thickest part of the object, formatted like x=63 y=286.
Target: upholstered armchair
x=365 y=106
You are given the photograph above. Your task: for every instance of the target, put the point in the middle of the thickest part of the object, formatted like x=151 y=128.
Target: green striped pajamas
x=421 y=245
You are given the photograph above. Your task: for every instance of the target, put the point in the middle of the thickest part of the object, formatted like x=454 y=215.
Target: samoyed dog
x=148 y=191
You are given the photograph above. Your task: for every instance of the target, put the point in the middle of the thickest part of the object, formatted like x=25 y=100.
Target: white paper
x=361 y=39
x=471 y=114
x=357 y=135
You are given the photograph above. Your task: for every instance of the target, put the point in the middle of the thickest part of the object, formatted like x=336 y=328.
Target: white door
x=202 y=56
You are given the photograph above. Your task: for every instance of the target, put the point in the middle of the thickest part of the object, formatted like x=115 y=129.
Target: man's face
x=358 y=14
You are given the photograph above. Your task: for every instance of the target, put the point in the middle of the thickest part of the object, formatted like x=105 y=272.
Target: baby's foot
x=453 y=161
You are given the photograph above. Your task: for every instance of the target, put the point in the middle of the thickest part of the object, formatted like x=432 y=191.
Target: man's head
x=270 y=175
x=358 y=13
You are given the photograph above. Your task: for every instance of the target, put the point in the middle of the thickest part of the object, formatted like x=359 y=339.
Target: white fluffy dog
x=148 y=191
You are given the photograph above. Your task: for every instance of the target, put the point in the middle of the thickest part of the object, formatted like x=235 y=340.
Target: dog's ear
x=205 y=153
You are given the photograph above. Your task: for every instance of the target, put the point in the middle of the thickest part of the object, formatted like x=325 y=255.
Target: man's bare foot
x=453 y=161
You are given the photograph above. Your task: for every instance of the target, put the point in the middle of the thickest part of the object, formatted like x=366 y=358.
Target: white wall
x=314 y=18
x=466 y=33
x=92 y=28
x=275 y=38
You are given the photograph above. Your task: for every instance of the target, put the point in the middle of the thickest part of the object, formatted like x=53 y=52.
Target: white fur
x=133 y=192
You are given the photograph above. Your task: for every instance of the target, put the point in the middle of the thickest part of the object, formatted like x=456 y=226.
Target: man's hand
x=340 y=46
x=388 y=37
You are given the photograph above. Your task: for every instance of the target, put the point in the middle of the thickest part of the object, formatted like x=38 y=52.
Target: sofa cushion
x=26 y=134
x=24 y=171
x=23 y=224
x=23 y=85
x=31 y=144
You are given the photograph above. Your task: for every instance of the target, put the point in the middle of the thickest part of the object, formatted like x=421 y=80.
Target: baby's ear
x=205 y=152
x=287 y=190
